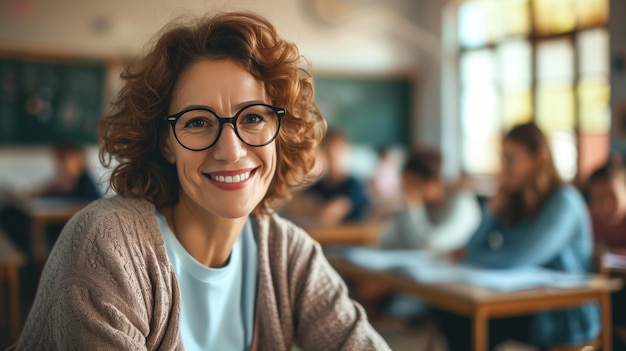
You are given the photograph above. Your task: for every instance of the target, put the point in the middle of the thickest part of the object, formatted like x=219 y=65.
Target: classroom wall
x=618 y=75
x=392 y=38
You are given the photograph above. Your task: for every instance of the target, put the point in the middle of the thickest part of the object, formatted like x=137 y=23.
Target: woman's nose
x=229 y=147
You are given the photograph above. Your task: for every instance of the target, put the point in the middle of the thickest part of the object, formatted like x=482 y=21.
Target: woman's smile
x=232 y=180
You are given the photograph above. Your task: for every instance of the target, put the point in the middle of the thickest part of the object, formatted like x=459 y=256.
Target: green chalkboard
x=43 y=102
x=373 y=112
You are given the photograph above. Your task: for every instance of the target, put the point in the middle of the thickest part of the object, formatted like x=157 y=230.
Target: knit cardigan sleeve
x=313 y=309
x=98 y=289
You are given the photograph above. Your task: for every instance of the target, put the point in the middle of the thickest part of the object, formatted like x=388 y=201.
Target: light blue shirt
x=217 y=304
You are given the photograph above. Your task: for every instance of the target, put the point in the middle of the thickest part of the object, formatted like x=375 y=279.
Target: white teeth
x=231 y=179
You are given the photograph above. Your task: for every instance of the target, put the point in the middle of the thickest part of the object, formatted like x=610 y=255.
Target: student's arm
x=334 y=210
x=401 y=231
x=537 y=242
x=325 y=318
x=453 y=231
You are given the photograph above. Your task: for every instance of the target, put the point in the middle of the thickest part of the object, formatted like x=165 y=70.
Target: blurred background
x=455 y=75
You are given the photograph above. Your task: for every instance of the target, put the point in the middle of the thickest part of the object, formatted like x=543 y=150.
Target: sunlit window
x=542 y=60
x=554 y=16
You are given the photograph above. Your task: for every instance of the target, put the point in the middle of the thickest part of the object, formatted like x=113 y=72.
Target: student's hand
x=413 y=195
x=458 y=255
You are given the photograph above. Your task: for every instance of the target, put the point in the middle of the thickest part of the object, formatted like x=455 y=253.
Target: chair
x=11 y=259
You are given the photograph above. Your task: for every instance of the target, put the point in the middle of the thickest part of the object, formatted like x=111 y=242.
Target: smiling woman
x=190 y=253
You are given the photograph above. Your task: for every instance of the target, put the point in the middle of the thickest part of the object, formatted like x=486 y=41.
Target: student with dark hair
x=337 y=197
x=532 y=220
x=436 y=216
x=72 y=178
x=606 y=190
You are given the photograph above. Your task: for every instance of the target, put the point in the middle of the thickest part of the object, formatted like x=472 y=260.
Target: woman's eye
x=196 y=123
x=253 y=119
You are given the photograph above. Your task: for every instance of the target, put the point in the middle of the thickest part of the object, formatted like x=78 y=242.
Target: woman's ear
x=167 y=151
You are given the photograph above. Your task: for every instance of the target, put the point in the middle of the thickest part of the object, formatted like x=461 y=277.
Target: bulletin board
x=45 y=101
x=371 y=111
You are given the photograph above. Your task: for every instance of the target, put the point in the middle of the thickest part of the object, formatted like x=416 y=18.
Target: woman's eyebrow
x=238 y=107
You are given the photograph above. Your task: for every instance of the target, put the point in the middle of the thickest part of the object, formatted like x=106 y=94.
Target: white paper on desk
x=379 y=260
x=613 y=260
x=496 y=279
x=425 y=267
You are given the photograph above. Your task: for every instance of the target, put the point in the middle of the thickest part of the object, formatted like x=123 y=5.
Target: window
x=540 y=60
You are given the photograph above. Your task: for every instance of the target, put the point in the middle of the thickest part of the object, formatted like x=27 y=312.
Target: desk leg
x=607 y=322
x=14 y=298
x=480 y=330
x=38 y=241
x=3 y=313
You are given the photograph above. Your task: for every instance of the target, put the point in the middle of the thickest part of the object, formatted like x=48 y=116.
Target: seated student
x=71 y=179
x=436 y=216
x=337 y=196
x=533 y=220
x=606 y=189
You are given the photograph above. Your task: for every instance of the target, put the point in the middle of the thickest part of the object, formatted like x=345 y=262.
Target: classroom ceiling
x=336 y=35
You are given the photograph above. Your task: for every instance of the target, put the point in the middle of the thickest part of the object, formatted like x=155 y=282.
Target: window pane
x=564 y=153
x=514 y=63
x=482 y=155
x=515 y=17
x=487 y=21
x=477 y=67
x=480 y=121
x=555 y=108
x=592 y=12
x=593 y=52
x=472 y=24
x=555 y=62
x=554 y=16
x=478 y=97
x=595 y=116
x=517 y=107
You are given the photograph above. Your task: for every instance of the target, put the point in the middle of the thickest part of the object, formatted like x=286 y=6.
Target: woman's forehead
x=217 y=84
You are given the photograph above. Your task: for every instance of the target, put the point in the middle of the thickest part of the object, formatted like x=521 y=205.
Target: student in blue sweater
x=533 y=220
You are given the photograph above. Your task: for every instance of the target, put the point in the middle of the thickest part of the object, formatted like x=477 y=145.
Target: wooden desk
x=11 y=259
x=361 y=234
x=481 y=304
x=44 y=212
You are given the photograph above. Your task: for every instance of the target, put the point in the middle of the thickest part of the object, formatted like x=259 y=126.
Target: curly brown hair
x=134 y=133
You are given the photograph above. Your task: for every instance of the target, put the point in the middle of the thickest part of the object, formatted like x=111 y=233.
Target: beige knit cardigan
x=108 y=285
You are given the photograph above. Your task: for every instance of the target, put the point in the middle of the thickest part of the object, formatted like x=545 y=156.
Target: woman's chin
x=233 y=212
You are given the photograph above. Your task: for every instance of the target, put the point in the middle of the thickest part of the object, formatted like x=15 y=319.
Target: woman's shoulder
x=120 y=204
x=567 y=194
x=277 y=227
x=106 y=219
x=277 y=231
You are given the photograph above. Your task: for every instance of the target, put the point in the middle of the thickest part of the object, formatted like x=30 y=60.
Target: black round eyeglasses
x=197 y=128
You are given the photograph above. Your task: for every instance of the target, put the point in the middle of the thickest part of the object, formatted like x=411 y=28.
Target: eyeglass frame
x=173 y=119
